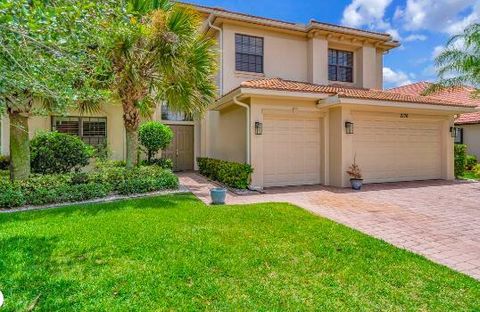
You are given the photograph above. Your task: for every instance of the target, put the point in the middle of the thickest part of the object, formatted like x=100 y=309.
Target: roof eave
x=339 y=99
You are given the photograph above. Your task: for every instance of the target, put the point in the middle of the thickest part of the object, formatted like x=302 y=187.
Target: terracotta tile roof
x=343 y=91
x=461 y=95
x=469 y=118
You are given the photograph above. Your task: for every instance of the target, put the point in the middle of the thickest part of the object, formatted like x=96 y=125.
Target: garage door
x=291 y=151
x=390 y=150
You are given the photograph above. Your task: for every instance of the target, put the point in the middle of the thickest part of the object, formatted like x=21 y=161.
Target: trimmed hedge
x=460 y=159
x=232 y=174
x=106 y=179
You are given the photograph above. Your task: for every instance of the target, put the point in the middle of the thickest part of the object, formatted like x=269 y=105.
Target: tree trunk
x=19 y=147
x=131 y=119
x=132 y=147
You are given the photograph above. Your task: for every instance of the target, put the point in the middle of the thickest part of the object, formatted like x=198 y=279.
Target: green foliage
x=470 y=162
x=136 y=180
x=10 y=195
x=459 y=63
x=154 y=136
x=476 y=171
x=232 y=174
x=165 y=163
x=52 y=51
x=102 y=152
x=4 y=162
x=460 y=159
x=106 y=179
x=54 y=152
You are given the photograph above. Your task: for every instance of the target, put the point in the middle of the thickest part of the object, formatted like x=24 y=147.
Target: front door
x=181 y=149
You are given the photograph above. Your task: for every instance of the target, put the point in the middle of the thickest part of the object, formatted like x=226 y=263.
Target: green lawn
x=175 y=253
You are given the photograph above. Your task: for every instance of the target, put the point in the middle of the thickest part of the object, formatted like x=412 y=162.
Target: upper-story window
x=248 y=53
x=340 y=65
x=168 y=115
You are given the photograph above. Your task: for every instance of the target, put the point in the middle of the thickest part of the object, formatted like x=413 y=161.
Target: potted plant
x=218 y=195
x=355 y=175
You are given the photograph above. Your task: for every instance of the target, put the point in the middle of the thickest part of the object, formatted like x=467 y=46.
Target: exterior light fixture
x=453 y=132
x=348 y=127
x=258 y=128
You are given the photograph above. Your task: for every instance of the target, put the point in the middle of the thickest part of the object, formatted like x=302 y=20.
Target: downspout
x=221 y=49
x=247 y=132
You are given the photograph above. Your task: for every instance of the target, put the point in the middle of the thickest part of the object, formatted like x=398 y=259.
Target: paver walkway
x=437 y=219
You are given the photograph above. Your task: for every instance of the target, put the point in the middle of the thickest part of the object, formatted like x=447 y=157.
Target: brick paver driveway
x=437 y=219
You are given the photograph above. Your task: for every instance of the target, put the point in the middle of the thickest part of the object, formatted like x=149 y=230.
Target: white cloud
x=415 y=37
x=437 y=50
x=365 y=12
x=395 y=78
x=449 y=16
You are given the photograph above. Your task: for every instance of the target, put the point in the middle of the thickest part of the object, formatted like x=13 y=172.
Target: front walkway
x=437 y=219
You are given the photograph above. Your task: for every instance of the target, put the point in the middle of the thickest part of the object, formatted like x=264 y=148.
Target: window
x=459 y=136
x=92 y=130
x=167 y=114
x=340 y=65
x=248 y=53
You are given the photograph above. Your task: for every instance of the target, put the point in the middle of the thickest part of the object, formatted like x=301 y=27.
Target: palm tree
x=459 y=63
x=159 y=55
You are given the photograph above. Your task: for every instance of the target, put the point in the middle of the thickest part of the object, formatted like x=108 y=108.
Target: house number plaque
x=403 y=115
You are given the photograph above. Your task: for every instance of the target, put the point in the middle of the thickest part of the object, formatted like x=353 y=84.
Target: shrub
x=476 y=170
x=10 y=195
x=54 y=152
x=165 y=163
x=232 y=174
x=154 y=136
x=58 y=188
x=136 y=180
x=460 y=159
x=4 y=162
x=470 y=162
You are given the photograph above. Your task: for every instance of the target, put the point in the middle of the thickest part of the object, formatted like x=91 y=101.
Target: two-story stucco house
x=299 y=103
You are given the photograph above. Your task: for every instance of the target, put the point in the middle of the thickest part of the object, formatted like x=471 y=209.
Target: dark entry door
x=181 y=149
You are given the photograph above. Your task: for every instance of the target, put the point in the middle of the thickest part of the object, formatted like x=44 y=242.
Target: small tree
x=155 y=136
x=51 y=59
x=54 y=152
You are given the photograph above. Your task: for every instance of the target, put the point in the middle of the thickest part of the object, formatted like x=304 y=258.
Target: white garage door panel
x=402 y=150
x=291 y=151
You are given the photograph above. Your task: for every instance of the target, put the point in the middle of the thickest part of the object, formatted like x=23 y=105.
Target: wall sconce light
x=348 y=127
x=258 y=128
x=453 y=132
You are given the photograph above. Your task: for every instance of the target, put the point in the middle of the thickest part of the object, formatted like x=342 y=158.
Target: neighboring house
x=301 y=102
x=467 y=125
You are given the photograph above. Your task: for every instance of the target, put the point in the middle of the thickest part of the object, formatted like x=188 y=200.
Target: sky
x=422 y=26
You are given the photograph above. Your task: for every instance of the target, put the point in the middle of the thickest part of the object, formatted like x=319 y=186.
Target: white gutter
x=212 y=16
x=247 y=133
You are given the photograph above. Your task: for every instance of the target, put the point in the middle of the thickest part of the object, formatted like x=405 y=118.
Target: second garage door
x=390 y=150
x=291 y=154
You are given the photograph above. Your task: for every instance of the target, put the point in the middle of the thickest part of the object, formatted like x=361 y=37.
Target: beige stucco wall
x=471 y=137
x=230 y=135
x=115 y=128
x=296 y=57
x=285 y=55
